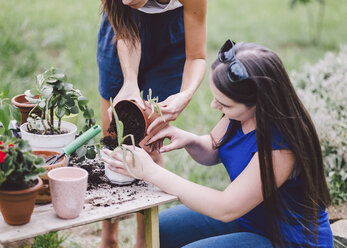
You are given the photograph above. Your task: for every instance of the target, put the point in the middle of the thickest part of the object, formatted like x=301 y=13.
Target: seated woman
x=270 y=149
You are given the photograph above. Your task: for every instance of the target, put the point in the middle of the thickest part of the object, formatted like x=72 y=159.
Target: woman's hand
x=179 y=139
x=129 y=91
x=138 y=162
x=170 y=109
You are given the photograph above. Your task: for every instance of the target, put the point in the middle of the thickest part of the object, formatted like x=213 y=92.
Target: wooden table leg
x=152 y=227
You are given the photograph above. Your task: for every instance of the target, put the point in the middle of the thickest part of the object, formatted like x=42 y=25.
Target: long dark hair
x=122 y=20
x=277 y=105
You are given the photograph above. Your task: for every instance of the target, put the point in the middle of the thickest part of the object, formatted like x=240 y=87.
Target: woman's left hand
x=170 y=109
x=138 y=162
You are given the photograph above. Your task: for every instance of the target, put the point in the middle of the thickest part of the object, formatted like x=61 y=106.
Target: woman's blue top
x=236 y=155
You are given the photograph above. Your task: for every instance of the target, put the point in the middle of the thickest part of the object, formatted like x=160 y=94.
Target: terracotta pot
x=44 y=195
x=24 y=106
x=125 y=105
x=140 y=130
x=17 y=205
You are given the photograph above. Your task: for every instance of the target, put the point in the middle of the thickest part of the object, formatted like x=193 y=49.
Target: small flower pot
x=54 y=142
x=136 y=120
x=114 y=177
x=24 y=106
x=44 y=194
x=68 y=187
x=17 y=205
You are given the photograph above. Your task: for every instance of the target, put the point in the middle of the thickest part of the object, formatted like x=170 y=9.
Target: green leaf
x=47 y=91
x=5 y=115
x=70 y=102
x=81 y=151
x=120 y=132
x=60 y=112
x=74 y=110
x=32 y=100
x=52 y=80
x=16 y=113
x=82 y=100
x=42 y=104
x=29 y=94
x=61 y=101
x=91 y=154
x=88 y=113
x=68 y=87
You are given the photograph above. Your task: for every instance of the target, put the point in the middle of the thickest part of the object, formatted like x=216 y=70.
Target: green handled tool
x=77 y=143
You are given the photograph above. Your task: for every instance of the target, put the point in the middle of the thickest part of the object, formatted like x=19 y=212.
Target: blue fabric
x=162 y=58
x=236 y=155
x=182 y=227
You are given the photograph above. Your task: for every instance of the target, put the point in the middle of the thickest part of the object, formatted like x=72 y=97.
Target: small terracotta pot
x=44 y=195
x=141 y=136
x=125 y=104
x=68 y=187
x=17 y=205
x=24 y=106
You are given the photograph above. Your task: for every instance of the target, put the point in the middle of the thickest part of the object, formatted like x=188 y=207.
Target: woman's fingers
x=113 y=162
x=154 y=124
x=160 y=135
x=167 y=148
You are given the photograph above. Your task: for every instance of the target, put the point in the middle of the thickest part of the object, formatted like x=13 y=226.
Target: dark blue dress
x=162 y=58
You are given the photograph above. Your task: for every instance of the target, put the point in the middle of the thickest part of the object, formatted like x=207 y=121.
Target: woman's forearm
x=193 y=74
x=197 y=197
x=200 y=149
x=129 y=56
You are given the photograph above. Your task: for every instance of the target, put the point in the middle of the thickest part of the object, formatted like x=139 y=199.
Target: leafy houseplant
x=56 y=98
x=19 y=181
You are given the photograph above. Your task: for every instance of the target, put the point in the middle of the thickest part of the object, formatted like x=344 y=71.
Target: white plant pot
x=115 y=177
x=50 y=142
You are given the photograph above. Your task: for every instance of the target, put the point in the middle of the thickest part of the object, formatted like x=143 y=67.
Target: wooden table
x=100 y=204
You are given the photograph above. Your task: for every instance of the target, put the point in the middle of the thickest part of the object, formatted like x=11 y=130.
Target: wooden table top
x=100 y=204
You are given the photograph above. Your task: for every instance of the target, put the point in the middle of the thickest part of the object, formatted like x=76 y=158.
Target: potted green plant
x=56 y=98
x=115 y=144
x=19 y=180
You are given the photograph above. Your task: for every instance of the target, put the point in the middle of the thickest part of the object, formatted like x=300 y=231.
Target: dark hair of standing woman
x=277 y=105
x=122 y=20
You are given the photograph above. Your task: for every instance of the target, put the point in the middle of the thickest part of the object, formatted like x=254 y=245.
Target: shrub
x=51 y=240
x=322 y=88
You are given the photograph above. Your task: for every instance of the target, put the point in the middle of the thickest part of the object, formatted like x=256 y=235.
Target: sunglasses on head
x=237 y=70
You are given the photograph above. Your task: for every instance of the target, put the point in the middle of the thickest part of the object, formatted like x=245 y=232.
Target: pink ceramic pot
x=68 y=187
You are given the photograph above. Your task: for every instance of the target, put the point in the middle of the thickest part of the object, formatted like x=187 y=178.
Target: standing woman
x=150 y=44
x=268 y=144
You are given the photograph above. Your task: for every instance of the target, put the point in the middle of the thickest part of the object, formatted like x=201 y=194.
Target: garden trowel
x=77 y=143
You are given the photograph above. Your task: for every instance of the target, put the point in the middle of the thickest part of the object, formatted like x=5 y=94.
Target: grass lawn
x=37 y=34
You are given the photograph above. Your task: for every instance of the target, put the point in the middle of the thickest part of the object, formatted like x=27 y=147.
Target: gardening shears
x=77 y=143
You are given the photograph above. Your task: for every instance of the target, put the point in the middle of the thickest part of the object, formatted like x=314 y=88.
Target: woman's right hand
x=127 y=92
x=137 y=164
x=178 y=137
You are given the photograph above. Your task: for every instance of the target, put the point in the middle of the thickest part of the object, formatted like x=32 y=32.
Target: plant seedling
x=154 y=104
x=121 y=139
